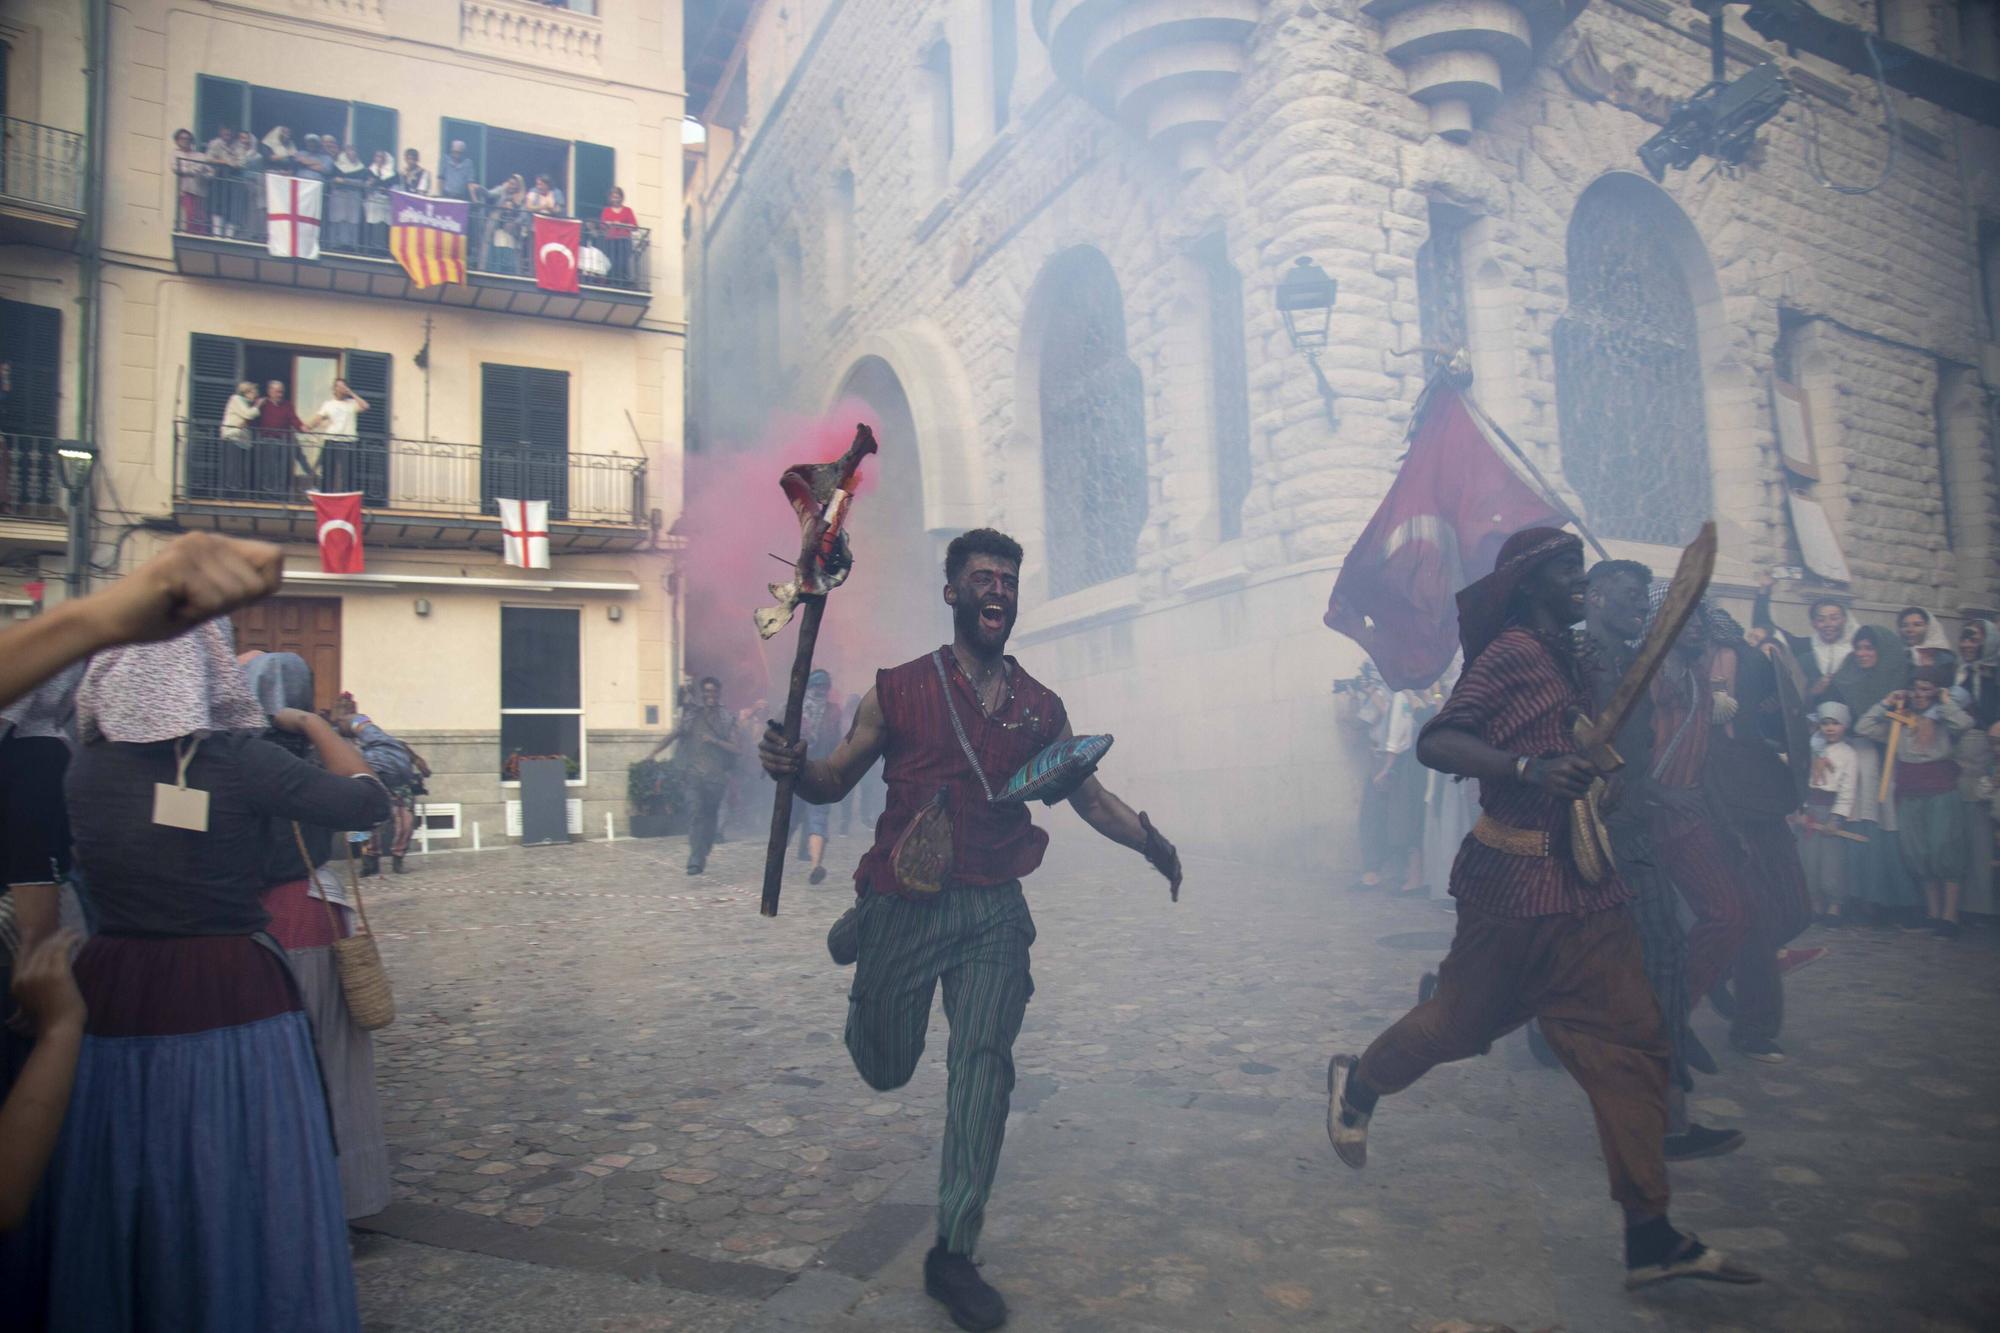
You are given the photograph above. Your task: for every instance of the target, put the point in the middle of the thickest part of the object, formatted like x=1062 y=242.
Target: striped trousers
x=974 y=940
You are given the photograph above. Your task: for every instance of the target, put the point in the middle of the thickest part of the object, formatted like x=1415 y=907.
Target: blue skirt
x=195 y=1185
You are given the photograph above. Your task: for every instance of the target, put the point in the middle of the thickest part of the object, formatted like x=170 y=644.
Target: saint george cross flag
x=557 y=241
x=292 y=210
x=525 y=526
x=1455 y=500
x=427 y=236
x=339 y=515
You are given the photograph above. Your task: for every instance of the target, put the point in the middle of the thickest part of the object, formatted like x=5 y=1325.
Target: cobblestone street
x=617 y=1099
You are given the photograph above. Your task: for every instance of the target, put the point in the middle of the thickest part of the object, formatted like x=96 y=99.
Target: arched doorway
x=890 y=608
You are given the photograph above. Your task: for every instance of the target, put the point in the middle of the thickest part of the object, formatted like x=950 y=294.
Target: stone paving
x=617 y=1099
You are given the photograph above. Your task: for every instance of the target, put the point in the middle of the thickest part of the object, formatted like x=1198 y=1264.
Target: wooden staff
x=1897 y=721
x=781 y=805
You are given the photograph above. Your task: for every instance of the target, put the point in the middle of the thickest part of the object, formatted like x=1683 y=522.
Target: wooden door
x=308 y=626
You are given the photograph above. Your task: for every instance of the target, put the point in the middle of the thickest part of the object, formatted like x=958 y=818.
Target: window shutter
x=367 y=373
x=219 y=102
x=546 y=409
x=474 y=135
x=374 y=131
x=215 y=367
x=596 y=173
x=31 y=339
x=500 y=406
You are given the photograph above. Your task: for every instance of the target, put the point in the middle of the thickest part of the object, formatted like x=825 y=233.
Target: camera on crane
x=1720 y=122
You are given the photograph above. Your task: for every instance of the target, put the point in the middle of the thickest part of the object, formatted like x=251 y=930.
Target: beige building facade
x=1043 y=239
x=477 y=391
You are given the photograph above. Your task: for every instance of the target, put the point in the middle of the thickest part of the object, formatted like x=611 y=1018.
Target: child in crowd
x=1830 y=803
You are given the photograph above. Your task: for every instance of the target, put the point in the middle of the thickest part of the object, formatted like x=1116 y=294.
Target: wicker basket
x=364 y=982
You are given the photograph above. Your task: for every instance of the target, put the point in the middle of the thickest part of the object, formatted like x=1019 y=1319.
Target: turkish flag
x=557 y=241
x=339 y=516
x=1440 y=527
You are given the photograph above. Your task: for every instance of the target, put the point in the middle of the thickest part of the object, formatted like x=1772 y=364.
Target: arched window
x=1229 y=383
x=1629 y=396
x=840 y=242
x=1093 y=426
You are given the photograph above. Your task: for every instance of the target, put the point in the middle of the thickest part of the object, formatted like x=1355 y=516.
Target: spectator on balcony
x=233 y=156
x=346 y=179
x=545 y=199
x=416 y=177
x=312 y=160
x=340 y=438
x=278 y=151
x=223 y=146
x=618 y=221
x=191 y=171
x=237 y=463
x=380 y=178
x=506 y=225
x=277 y=443
x=455 y=173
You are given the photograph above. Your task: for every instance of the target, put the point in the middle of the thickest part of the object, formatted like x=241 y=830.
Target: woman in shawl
x=1979 y=670
x=196 y=1175
x=381 y=179
x=279 y=150
x=1923 y=634
x=1878 y=884
x=303 y=896
x=345 y=185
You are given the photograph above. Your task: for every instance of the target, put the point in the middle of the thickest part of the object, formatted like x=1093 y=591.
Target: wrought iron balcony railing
x=354 y=220
x=31 y=483
x=41 y=164
x=412 y=478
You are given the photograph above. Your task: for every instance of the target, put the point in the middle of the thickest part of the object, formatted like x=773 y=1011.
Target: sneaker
x=953 y=1281
x=1692 y=1259
x=843 y=942
x=1791 y=960
x=1946 y=930
x=1701 y=1141
x=1698 y=1057
x=1345 y=1126
x=1761 y=1049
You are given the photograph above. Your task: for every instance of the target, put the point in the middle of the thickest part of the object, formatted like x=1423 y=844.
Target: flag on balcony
x=525 y=527
x=427 y=236
x=339 y=516
x=292 y=210
x=557 y=241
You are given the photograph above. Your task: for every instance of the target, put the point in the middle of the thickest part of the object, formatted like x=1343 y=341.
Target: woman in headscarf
x=345 y=184
x=303 y=896
x=1878 y=883
x=382 y=178
x=1923 y=634
x=279 y=150
x=1979 y=670
x=196 y=1176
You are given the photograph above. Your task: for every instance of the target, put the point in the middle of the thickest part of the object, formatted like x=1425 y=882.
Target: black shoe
x=398 y=862
x=843 y=942
x=1697 y=1056
x=1946 y=930
x=954 y=1282
x=1687 y=1258
x=371 y=865
x=1701 y=1141
x=818 y=875
x=1539 y=1045
x=696 y=867
x=1834 y=921
x=1723 y=999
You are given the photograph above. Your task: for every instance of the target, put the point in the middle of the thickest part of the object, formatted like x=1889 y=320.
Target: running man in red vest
x=931 y=721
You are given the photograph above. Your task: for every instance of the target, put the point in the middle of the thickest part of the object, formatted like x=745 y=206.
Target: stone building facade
x=1042 y=240
x=480 y=389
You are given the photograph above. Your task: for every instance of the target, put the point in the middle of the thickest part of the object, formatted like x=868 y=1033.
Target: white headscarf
x=184 y=686
x=1934 y=635
x=278 y=143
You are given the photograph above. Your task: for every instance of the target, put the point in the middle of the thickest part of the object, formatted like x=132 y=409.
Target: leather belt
x=1513 y=841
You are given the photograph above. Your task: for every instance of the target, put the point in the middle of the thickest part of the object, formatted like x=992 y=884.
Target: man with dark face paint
x=930 y=721
x=1535 y=938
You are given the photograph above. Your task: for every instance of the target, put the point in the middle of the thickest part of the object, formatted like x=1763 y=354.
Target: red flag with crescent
x=557 y=241
x=1440 y=527
x=339 y=518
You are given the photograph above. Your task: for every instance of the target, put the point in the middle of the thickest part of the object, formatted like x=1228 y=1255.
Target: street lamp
x=1305 y=298
x=74 y=460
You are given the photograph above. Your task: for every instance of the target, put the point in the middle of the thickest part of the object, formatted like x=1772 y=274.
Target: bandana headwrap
x=1483 y=606
x=1833 y=712
x=147 y=692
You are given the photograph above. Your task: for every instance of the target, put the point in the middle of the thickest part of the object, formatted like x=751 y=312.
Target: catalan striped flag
x=427 y=236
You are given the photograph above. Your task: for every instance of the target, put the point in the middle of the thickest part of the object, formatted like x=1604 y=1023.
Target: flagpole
x=1548 y=491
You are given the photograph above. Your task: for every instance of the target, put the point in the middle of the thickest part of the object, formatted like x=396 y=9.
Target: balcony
x=41 y=184
x=224 y=236
x=416 y=493
x=34 y=509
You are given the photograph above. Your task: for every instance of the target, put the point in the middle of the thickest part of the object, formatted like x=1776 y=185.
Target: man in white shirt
x=335 y=424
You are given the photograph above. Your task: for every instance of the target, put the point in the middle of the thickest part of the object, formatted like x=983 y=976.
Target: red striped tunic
x=1516 y=697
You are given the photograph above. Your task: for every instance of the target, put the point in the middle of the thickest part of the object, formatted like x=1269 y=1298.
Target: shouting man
x=1535 y=939
x=959 y=722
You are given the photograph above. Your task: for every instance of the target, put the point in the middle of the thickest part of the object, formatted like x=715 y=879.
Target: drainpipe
x=97 y=39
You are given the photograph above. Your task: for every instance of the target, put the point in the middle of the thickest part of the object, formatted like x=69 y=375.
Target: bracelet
x=1521 y=763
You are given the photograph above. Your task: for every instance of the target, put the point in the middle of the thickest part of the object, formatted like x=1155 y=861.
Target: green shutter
x=374 y=131
x=545 y=404
x=500 y=405
x=219 y=102
x=215 y=367
x=474 y=135
x=367 y=373
x=596 y=173
x=31 y=339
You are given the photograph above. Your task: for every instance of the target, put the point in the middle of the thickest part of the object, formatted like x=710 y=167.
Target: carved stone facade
x=530 y=32
x=1208 y=658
